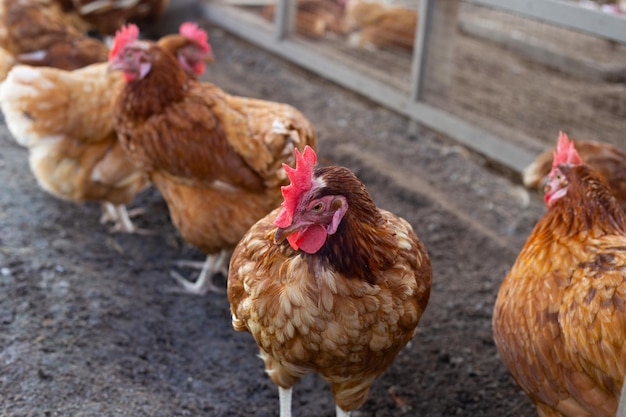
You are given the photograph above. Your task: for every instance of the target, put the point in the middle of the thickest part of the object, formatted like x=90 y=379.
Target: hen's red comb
x=191 y=31
x=123 y=37
x=301 y=181
x=565 y=152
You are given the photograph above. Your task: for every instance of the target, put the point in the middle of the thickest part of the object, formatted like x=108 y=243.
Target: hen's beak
x=209 y=57
x=282 y=232
x=114 y=65
x=280 y=235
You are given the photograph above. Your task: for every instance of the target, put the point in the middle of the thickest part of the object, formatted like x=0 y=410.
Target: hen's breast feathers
x=299 y=309
x=593 y=317
x=574 y=331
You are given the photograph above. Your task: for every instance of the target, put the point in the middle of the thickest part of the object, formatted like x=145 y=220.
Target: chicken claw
x=120 y=217
x=204 y=283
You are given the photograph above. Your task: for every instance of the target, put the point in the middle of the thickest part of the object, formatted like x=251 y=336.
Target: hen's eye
x=317 y=207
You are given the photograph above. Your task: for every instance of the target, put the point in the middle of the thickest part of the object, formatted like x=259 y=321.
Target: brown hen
x=328 y=283
x=315 y=18
x=375 y=24
x=215 y=158
x=65 y=120
x=107 y=16
x=559 y=320
x=39 y=33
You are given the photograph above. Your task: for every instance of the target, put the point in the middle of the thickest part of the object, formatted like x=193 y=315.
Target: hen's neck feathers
x=166 y=83
x=588 y=208
x=363 y=245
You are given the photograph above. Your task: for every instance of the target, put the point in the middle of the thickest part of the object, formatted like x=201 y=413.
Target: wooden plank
x=259 y=33
x=566 y=14
x=546 y=53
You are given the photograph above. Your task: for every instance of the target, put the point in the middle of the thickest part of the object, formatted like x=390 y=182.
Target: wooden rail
x=435 y=20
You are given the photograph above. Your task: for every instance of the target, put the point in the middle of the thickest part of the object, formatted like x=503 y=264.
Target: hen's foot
x=199 y=287
x=204 y=283
x=120 y=217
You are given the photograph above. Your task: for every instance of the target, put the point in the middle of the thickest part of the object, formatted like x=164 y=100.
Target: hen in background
x=65 y=120
x=374 y=24
x=315 y=18
x=559 y=320
x=328 y=283
x=607 y=159
x=215 y=158
x=107 y=16
x=39 y=33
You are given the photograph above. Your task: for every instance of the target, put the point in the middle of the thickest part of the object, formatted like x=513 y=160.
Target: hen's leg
x=109 y=213
x=120 y=217
x=284 y=397
x=342 y=413
x=204 y=283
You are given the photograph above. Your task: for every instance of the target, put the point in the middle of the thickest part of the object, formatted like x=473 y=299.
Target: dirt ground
x=89 y=326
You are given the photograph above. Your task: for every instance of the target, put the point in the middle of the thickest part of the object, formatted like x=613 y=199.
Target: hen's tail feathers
x=33 y=105
x=42 y=102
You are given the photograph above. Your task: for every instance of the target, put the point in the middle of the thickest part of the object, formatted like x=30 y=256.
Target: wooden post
x=284 y=18
x=433 y=66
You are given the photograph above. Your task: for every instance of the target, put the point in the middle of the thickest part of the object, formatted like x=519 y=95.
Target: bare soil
x=89 y=325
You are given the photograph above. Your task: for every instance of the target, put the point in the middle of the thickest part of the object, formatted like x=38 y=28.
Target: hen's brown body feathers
x=65 y=119
x=39 y=33
x=74 y=152
x=107 y=16
x=345 y=311
x=559 y=320
x=216 y=158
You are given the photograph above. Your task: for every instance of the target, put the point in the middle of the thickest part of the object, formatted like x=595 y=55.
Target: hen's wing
x=275 y=129
x=562 y=335
x=187 y=140
x=244 y=140
x=593 y=319
x=67 y=54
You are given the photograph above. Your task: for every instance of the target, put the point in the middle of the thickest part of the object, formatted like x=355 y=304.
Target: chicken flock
x=323 y=279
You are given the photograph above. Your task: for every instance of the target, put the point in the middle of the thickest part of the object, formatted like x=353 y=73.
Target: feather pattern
x=332 y=312
x=216 y=158
x=559 y=320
